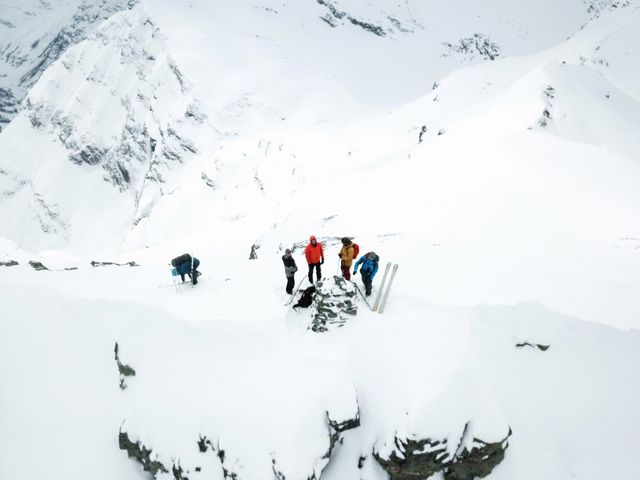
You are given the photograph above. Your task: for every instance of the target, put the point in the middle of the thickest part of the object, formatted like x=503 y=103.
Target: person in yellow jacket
x=346 y=257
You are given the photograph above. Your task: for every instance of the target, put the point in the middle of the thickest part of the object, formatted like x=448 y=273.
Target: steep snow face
x=253 y=397
x=322 y=60
x=129 y=102
x=34 y=34
x=511 y=180
x=407 y=134
x=127 y=121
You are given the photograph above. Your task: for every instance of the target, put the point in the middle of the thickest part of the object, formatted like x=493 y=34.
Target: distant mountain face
x=124 y=121
x=34 y=34
x=118 y=107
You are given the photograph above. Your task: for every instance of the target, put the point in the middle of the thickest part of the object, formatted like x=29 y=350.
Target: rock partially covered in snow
x=423 y=457
x=333 y=304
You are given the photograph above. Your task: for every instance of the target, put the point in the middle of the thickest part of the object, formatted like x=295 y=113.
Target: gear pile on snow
x=333 y=304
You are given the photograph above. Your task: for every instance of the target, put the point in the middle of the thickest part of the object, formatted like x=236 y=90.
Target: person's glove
x=321 y=261
x=339 y=255
x=355 y=271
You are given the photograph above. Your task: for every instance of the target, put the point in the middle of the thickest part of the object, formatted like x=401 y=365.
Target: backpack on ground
x=180 y=260
x=306 y=299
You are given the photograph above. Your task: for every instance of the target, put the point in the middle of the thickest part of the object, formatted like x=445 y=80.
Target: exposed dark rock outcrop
x=157 y=465
x=10 y=263
x=208 y=181
x=178 y=473
x=478 y=44
x=596 y=7
x=89 y=154
x=141 y=454
x=399 y=25
x=414 y=459
x=548 y=95
x=125 y=370
x=8 y=106
x=48 y=217
x=423 y=130
x=336 y=15
x=37 y=265
x=533 y=345
x=150 y=462
x=103 y=264
x=479 y=461
x=335 y=428
x=204 y=444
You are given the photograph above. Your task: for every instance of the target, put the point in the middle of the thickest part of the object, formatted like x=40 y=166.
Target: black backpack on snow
x=307 y=298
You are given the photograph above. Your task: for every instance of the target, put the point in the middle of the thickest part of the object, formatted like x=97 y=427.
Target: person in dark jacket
x=187 y=265
x=369 y=269
x=315 y=257
x=290 y=269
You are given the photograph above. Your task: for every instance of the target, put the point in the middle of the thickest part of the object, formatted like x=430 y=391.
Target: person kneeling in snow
x=186 y=265
x=369 y=269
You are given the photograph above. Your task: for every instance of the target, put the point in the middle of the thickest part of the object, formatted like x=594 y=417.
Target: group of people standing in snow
x=314 y=254
x=186 y=265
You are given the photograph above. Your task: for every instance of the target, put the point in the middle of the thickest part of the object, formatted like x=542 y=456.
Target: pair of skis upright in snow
x=383 y=292
x=385 y=287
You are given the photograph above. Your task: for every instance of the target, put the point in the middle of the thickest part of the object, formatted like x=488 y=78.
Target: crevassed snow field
x=487 y=148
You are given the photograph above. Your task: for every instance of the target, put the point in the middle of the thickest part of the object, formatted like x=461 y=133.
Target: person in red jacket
x=315 y=257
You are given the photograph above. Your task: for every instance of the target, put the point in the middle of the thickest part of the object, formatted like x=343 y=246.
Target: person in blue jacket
x=369 y=269
x=186 y=265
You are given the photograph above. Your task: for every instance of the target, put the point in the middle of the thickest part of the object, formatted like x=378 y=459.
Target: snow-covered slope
x=305 y=69
x=257 y=396
x=489 y=148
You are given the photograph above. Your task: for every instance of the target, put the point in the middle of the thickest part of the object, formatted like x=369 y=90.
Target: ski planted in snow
x=386 y=294
x=363 y=296
x=384 y=280
x=295 y=292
